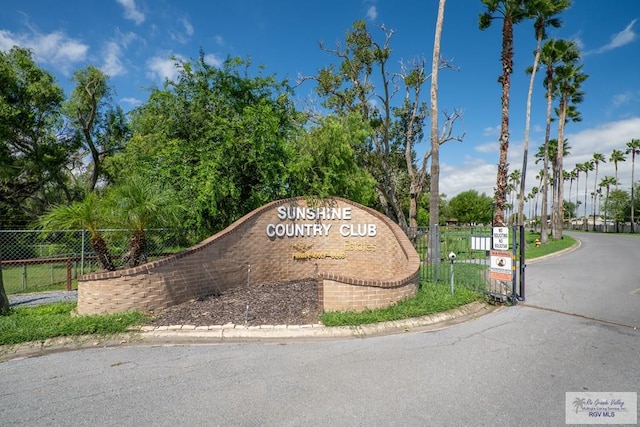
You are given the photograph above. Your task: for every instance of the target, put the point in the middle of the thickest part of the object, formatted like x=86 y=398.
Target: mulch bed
x=282 y=303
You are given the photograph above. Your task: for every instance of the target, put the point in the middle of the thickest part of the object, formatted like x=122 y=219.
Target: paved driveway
x=600 y=280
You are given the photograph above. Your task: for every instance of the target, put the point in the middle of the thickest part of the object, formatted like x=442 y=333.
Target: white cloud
x=213 y=60
x=188 y=28
x=474 y=174
x=131 y=101
x=622 y=38
x=622 y=99
x=372 y=13
x=219 y=40
x=112 y=64
x=163 y=68
x=55 y=49
x=491 y=131
x=131 y=11
x=489 y=147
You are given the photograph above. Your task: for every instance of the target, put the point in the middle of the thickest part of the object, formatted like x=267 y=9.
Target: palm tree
x=597 y=159
x=586 y=167
x=633 y=148
x=545 y=16
x=606 y=183
x=570 y=176
x=617 y=156
x=567 y=81
x=89 y=214
x=138 y=205
x=511 y=12
x=534 y=194
x=554 y=52
x=577 y=169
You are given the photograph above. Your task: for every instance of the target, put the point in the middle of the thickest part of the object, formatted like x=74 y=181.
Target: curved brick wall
x=361 y=259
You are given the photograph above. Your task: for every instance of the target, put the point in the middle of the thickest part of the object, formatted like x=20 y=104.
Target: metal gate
x=484 y=259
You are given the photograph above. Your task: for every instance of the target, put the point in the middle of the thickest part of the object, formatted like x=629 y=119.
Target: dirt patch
x=282 y=303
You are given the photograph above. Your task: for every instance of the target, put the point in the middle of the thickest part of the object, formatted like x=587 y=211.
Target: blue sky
x=132 y=40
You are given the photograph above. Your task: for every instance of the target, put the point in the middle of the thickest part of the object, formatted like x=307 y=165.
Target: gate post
x=514 y=249
x=523 y=264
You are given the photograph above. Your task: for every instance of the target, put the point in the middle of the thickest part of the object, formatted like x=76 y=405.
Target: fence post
x=523 y=263
x=68 y=274
x=24 y=277
x=514 y=251
x=82 y=255
x=434 y=239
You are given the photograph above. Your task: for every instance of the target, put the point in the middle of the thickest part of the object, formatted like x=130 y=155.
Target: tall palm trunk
x=500 y=194
x=527 y=126
x=559 y=211
x=544 y=228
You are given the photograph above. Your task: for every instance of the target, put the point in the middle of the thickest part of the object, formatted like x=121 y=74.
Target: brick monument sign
x=359 y=258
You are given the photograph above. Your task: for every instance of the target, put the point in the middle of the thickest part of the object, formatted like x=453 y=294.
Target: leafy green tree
x=34 y=148
x=569 y=210
x=471 y=208
x=618 y=207
x=324 y=161
x=101 y=124
x=88 y=214
x=511 y=12
x=219 y=137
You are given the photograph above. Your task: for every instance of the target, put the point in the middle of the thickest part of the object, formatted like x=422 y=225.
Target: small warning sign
x=501 y=265
x=501 y=238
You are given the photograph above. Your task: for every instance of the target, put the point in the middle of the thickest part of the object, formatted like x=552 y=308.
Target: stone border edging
x=233 y=332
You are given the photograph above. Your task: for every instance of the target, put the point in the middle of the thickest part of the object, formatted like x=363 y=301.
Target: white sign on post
x=501 y=238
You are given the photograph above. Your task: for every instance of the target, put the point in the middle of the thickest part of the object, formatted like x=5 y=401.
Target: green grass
x=552 y=246
x=431 y=298
x=24 y=324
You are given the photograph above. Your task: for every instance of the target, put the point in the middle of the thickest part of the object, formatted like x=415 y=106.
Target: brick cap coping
x=409 y=275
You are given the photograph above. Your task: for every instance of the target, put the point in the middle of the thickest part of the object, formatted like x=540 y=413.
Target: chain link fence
x=462 y=256
x=37 y=260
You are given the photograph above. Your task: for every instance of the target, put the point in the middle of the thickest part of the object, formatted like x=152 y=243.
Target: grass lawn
x=25 y=324
x=532 y=251
x=431 y=298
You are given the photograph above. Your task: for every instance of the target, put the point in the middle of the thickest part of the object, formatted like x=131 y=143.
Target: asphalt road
x=601 y=280
x=509 y=368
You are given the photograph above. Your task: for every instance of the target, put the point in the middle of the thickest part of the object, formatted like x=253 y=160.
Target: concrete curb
x=233 y=332
x=574 y=247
